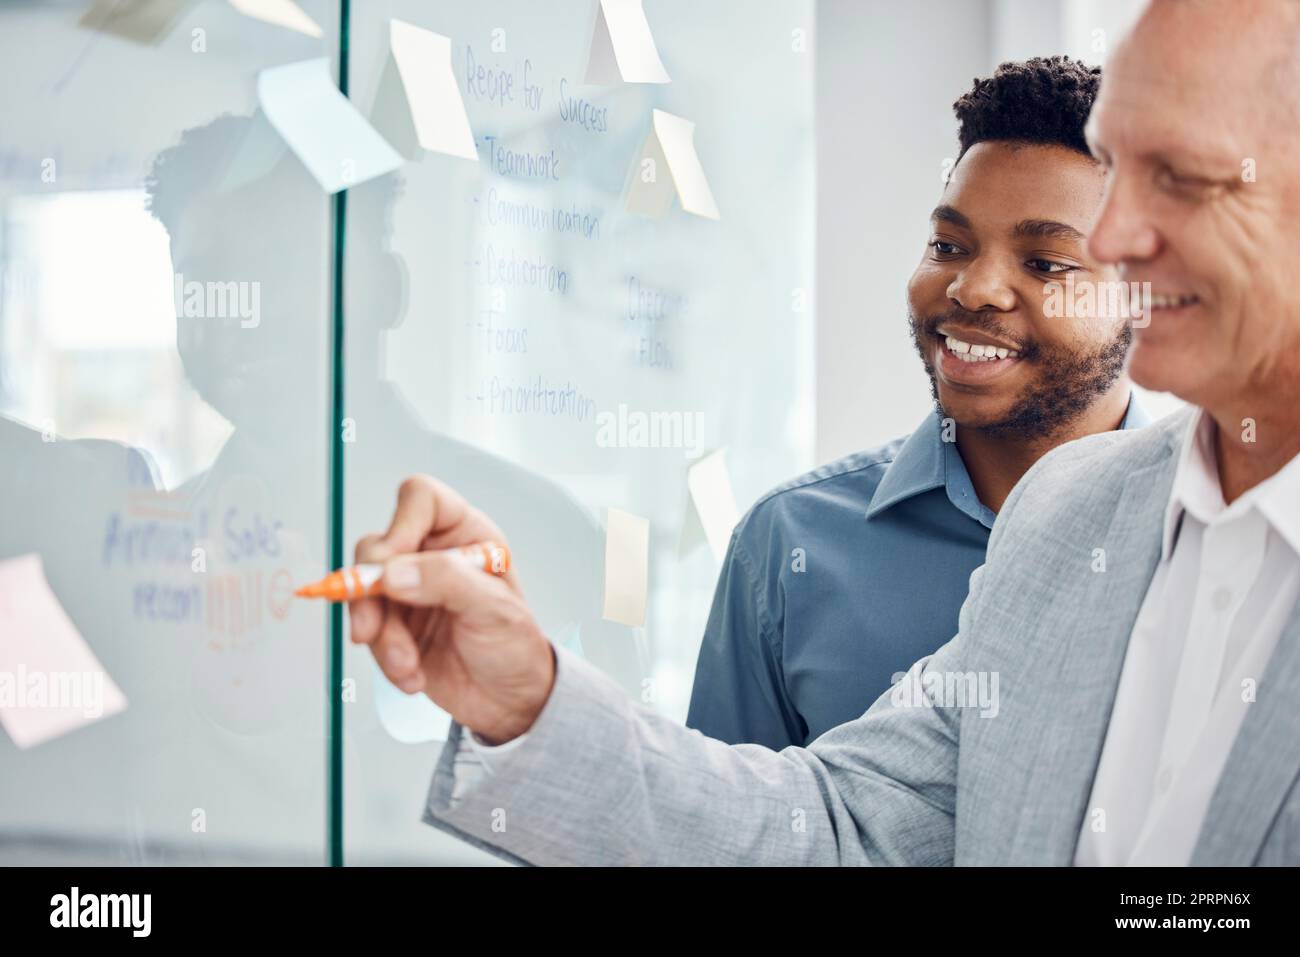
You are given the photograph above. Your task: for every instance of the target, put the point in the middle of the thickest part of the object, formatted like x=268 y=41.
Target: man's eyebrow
x=1046 y=229
x=944 y=213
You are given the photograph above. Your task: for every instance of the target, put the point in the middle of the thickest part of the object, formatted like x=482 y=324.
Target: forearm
x=601 y=780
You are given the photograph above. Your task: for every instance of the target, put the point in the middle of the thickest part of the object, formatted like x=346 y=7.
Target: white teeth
x=1171 y=302
x=978 y=352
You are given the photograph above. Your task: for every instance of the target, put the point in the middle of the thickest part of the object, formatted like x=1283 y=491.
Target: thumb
x=446 y=581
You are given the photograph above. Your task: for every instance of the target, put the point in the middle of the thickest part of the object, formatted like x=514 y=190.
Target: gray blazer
x=602 y=780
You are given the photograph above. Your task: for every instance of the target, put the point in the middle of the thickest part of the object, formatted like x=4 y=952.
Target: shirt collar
x=1197 y=492
x=1135 y=416
x=927 y=462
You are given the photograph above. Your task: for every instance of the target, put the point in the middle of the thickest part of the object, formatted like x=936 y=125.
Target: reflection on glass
x=163 y=440
x=498 y=308
x=165 y=416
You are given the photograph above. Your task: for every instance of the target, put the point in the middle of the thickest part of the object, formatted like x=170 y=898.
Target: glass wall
x=167 y=420
x=163 y=431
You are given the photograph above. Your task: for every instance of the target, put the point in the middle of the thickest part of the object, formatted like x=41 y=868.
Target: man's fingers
x=367 y=614
x=367 y=617
x=372 y=548
x=429 y=514
x=425 y=506
x=397 y=655
x=434 y=543
x=441 y=580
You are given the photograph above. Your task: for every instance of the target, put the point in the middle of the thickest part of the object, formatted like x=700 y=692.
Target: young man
x=838 y=580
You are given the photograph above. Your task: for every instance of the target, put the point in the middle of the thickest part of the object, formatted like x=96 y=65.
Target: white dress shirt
x=472 y=761
x=1228 y=578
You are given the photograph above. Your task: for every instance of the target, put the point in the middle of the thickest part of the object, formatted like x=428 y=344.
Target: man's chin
x=972 y=412
x=1154 y=368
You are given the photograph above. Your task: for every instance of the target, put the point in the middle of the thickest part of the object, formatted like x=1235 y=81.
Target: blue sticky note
x=322 y=127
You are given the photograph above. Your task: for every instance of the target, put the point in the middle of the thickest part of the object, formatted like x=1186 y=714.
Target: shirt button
x=1165 y=779
x=1222 y=597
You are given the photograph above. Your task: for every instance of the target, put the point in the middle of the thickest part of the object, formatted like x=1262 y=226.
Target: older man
x=1138 y=603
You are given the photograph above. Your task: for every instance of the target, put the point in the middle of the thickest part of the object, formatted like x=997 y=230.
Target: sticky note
x=622 y=47
x=322 y=127
x=627 y=566
x=714 y=501
x=144 y=21
x=50 y=681
x=418 y=104
x=282 y=13
x=668 y=165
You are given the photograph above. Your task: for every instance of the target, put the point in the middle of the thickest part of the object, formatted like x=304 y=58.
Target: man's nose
x=1124 y=231
x=983 y=284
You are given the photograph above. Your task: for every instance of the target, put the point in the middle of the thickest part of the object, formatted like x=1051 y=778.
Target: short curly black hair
x=1043 y=100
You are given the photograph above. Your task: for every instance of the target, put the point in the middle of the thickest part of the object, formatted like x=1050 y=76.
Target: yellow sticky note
x=50 y=681
x=627 y=567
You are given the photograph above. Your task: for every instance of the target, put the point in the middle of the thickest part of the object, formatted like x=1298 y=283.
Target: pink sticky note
x=50 y=681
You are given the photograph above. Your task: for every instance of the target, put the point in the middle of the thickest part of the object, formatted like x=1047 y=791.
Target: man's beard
x=1068 y=384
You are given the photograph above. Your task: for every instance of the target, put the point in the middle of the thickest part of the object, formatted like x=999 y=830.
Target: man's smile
x=974 y=360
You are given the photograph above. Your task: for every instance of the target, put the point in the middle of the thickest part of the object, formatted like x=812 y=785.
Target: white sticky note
x=622 y=47
x=282 y=13
x=322 y=127
x=671 y=144
x=418 y=104
x=144 y=21
x=627 y=567
x=50 y=681
x=714 y=501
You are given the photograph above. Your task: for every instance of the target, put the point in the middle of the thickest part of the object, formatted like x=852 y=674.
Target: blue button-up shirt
x=837 y=581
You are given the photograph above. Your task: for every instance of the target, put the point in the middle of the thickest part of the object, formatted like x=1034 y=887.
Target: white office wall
x=887 y=75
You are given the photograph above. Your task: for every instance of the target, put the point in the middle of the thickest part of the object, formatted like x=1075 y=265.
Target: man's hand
x=464 y=637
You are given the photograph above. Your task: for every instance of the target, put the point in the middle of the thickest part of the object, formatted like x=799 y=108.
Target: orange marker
x=366 y=581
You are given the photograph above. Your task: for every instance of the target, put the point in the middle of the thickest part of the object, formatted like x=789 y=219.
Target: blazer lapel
x=1261 y=767
x=1088 y=639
